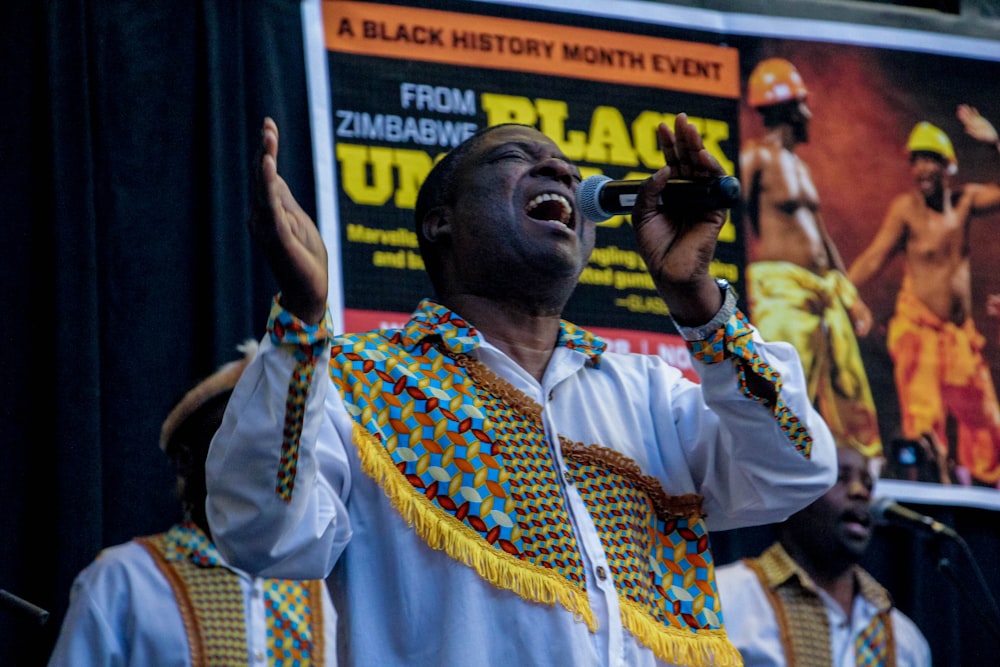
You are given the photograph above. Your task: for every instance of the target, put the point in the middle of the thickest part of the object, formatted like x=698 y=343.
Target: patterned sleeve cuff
x=286 y=329
x=733 y=339
x=309 y=341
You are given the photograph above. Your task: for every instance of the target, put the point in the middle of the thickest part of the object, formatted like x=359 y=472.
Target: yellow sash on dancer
x=792 y=304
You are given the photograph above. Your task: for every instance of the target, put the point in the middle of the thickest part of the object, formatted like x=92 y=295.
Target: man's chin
x=856 y=546
x=855 y=537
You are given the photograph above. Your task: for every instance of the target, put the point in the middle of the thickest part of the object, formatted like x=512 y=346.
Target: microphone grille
x=588 y=198
x=878 y=509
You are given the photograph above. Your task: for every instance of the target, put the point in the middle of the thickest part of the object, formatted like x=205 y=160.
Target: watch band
x=706 y=330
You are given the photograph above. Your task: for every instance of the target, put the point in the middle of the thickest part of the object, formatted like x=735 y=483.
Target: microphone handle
x=618 y=197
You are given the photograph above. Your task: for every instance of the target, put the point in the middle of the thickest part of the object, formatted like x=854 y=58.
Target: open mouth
x=551 y=207
x=857 y=522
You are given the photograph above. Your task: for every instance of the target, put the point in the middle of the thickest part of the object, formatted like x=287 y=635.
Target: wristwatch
x=706 y=331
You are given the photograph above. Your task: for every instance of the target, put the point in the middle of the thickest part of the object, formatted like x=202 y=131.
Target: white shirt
x=752 y=626
x=123 y=612
x=404 y=603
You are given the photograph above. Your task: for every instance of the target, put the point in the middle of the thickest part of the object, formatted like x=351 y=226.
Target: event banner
x=869 y=162
x=409 y=84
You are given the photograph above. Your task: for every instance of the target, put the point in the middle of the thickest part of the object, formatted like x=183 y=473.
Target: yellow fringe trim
x=442 y=531
x=678 y=646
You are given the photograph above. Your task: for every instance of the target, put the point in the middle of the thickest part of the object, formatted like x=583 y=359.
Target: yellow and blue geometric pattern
x=463 y=456
x=451 y=438
x=871 y=646
x=308 y=342
x=735 y=341
x=473 y=454
x=661 y=560
x=289 y=623
x=213 y=603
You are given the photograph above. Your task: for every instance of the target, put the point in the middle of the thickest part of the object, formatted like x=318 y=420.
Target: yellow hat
x=931 y=139
x=774 y=81
x=219 y=382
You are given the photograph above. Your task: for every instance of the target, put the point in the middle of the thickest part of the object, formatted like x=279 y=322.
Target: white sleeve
x=276 y=502
x=912 y=649
x=87 y=636
x=756 y=462
x=122 y=612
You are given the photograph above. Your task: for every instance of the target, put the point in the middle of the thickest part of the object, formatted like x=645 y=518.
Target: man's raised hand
x=288 y=236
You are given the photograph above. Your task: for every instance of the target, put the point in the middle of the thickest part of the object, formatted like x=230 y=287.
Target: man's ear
x=436 y=224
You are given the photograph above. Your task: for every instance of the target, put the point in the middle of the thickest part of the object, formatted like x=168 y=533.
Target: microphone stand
x=23 y=607
x=985 y=604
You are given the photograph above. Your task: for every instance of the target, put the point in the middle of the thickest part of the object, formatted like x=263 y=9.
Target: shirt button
x=601 y=574
x=552 y=394
x=259 y=656
x=568 y=478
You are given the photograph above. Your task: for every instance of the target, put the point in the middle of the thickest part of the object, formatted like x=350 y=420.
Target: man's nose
x=556 y=168
x=858 y=488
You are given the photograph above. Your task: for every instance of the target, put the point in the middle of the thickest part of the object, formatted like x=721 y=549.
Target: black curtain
x=128 y=274
x=127 y=269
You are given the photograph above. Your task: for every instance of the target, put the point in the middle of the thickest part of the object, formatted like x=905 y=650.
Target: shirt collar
x=186 y=541
x=780 y=568
x=457 y=335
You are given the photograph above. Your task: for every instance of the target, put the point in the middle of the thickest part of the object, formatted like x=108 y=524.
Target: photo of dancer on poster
x=937 y=351
x=798 y=290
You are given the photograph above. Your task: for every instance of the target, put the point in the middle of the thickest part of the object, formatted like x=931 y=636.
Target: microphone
x=887 y=511
x=22 y=606
x=600 y=198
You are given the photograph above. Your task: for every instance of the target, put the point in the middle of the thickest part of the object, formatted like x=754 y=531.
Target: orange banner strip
x=472 y=40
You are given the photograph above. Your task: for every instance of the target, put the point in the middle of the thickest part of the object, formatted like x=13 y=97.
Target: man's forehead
x=927 y=155
x=506 y=134
x=848 y=457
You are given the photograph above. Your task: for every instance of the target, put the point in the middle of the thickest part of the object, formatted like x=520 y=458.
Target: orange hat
x=219 y=382
x=774 y=81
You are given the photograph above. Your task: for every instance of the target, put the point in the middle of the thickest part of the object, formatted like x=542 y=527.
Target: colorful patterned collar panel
x=433 y=319
x=465 y=458
x=186 y=541
x=778 y=568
